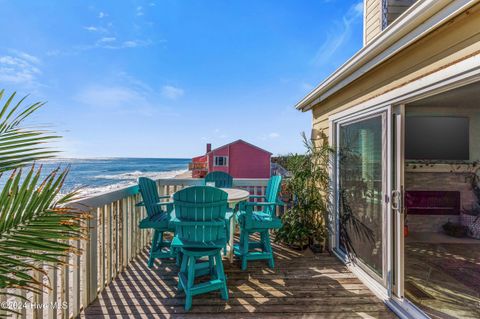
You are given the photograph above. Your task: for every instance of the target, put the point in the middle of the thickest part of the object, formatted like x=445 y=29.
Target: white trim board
x=456 y=75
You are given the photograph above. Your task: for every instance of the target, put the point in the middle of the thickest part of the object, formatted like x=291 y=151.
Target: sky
x=161 y=78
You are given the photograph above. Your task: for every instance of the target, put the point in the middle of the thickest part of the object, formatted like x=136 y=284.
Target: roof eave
x=236 y=141
x=384 y=46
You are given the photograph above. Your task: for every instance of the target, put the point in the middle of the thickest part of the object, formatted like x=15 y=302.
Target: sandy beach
x=186 y=174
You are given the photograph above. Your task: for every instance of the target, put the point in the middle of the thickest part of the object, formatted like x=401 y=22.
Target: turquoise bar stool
x=221 y=179
x=159 y=217
x=260 y=222
x=200 y=233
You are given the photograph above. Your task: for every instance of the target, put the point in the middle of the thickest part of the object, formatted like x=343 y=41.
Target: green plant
x=305 y=221
x=36 y=222
x=473 y=177
x=351 y=199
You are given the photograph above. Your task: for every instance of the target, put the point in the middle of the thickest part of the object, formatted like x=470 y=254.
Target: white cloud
x=172 y=92
x=110 y=96
x=92 y=29
x=112 y=43
x=306 y=86
x=273 y=135
x=118 y=99
x=270 y=136
x=19 y=68
x=131 y=44
x=28 y=57
x=358 y=8
x=123 y=94
x=132 y=97
x=340 y=36
x=107 y=40
x=53 y=52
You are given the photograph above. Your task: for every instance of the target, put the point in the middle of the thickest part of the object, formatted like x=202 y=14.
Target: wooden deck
x=302 y=285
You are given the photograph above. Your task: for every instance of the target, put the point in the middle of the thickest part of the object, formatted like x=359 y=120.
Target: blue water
x=101 y=175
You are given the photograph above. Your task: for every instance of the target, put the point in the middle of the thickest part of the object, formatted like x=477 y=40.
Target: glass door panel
x=361 y=156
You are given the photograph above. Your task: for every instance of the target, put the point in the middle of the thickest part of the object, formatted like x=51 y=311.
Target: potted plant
x=304 y=222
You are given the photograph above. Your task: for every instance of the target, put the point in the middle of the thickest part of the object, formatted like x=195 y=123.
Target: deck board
x=302 y=285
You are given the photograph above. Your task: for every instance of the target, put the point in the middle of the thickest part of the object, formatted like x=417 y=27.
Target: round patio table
x=235 y=196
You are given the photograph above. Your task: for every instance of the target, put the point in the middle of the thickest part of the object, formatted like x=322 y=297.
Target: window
x=221 y=161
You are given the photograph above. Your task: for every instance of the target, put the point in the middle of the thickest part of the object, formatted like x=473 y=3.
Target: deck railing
x=198 y=166
x=113 y=241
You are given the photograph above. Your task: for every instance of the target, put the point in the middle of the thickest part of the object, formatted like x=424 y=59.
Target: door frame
x=462 y=73
x=383 y=286
x=398 y=188
x=398 y=215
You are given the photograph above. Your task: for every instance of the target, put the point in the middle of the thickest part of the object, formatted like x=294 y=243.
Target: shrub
x=305 y=221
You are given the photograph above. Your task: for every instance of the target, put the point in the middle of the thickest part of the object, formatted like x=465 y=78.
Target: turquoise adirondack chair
x=200 y=232
x=159 y=219
x=260 y=222
x=221 y=179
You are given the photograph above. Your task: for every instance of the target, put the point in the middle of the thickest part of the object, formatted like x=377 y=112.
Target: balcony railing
x=113 y=241
x=197 y=166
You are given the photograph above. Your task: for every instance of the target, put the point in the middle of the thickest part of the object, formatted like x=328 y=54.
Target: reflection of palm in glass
x=360 y=191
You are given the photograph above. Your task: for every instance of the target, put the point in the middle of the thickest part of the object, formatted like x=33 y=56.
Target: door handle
x=397 y=201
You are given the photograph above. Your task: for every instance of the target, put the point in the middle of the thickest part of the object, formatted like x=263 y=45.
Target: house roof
x=417 y=21
x=239 y=141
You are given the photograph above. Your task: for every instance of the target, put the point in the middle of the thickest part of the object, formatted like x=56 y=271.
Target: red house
x=239 y=159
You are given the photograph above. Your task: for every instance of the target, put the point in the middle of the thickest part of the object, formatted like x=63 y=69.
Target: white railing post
x=92 y=259
x=38 y=297
x=124 y=214
x=102 y=245
x=52 y=296
x=76 y=276
x=23 y=312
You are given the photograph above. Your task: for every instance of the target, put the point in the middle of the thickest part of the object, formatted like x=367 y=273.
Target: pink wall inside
x=245 y=161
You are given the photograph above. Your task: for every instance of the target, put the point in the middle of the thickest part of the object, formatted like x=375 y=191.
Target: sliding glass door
x=362 y=192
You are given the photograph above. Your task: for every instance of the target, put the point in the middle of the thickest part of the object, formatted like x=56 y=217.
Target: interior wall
x=437 y=181
x=443 y=177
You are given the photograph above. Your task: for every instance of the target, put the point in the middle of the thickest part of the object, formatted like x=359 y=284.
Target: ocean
x=92 y=176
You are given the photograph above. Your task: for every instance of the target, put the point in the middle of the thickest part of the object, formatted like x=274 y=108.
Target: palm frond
x=20 y=146
x=36 y=225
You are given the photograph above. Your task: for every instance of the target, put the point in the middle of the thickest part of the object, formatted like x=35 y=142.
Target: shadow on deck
x=302 y=285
